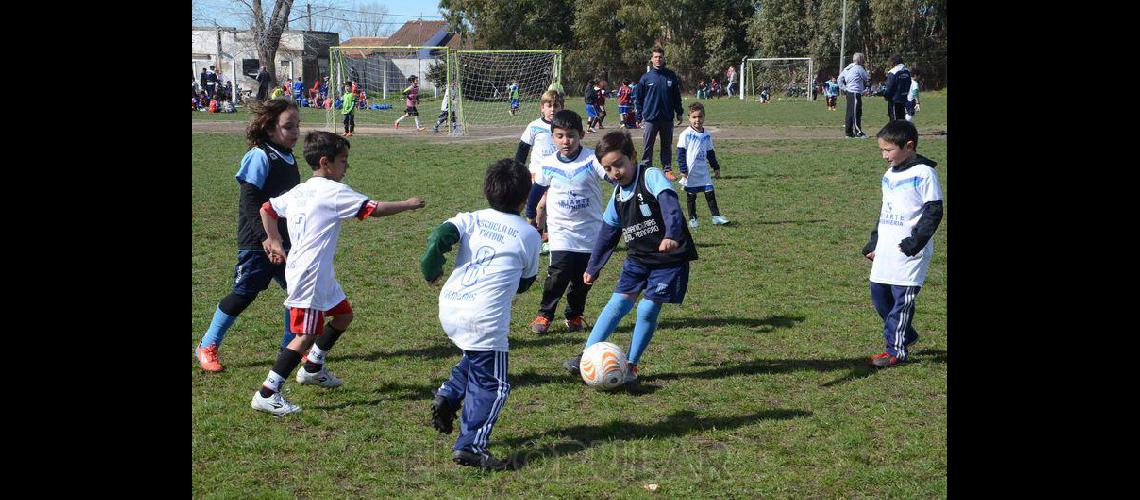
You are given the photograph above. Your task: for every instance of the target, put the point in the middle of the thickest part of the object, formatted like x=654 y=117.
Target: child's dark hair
x=896 y=59
x=899 y=132
x=323 y=144
x=696 y=106
x=412 y=78
x=567 y=120
x=265 y=115
x=506 y=185
x=618 y=140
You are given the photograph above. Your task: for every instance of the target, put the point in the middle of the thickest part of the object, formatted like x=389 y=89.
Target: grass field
x=724 y=111
x=756 y=386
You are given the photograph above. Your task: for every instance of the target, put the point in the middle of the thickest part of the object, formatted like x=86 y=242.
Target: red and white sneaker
x=208 y=359
x=883 y=360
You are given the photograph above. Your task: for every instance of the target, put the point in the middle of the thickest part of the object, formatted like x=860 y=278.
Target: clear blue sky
x=224 y=12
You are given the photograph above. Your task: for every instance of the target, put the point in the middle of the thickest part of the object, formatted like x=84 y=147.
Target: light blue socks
x=615 y=310
x=218 y=328
x=647 y=312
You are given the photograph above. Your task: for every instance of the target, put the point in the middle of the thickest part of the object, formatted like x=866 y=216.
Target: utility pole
x=309 y=8
x=842 y=37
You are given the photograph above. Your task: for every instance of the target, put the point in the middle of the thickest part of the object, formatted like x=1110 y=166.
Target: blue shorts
x=663 y=284
x=698 y=189
x=590 y=111
x=623 y=109
x=909 y=108
x=253 y=273
x=514 y=104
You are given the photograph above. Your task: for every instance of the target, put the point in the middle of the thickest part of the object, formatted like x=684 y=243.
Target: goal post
x=784 y=77
x=501 y=88
x=382 y=72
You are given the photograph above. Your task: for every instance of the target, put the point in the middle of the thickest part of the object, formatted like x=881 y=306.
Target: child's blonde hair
x=554 y=97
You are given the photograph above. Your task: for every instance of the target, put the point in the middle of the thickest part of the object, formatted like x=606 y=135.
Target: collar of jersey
x=632 y=186
x=564 y=159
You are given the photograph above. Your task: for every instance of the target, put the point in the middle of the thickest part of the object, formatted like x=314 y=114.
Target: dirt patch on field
x=486 y=134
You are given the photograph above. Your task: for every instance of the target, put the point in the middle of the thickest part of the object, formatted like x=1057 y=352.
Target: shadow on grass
x=857 y=368
x=441 y=350
x=578 y=438
x=811 y=221
x=761 y=325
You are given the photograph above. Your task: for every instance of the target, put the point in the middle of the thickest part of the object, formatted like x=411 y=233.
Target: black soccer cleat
x=571 y=365
x=442 y=414
x=482 y=460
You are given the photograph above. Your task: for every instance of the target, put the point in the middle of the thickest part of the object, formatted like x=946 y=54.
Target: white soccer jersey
x=904 y=193
x=495 y=251
x=697 y=146
x=574 y=201
x=537 y=134
x=313 y=211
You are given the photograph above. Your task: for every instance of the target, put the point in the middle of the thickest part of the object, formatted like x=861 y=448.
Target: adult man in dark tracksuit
x=658 y=99
x=898 y=86
x=853 y=80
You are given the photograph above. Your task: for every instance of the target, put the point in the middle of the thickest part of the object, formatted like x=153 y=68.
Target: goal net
x=382 y=73
x=785 y=78
x=502 y=87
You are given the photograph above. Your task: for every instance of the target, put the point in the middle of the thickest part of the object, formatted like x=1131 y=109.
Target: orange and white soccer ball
x=603 y=366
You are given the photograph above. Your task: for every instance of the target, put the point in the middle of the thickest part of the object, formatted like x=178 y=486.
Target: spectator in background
x=730 y=80
x=262 y=83
x=853 y=81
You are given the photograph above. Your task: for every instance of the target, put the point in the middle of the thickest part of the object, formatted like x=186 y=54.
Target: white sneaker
x=693 y=223
x=323 y=378
x=719 y=220
x=275 y=404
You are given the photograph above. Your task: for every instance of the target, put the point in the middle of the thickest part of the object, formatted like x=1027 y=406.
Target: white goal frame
x=744 y=74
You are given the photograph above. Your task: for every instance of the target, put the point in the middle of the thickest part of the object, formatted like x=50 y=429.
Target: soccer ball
x=603 y=366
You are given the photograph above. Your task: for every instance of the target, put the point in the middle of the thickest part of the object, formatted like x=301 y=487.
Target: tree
x=267 y=31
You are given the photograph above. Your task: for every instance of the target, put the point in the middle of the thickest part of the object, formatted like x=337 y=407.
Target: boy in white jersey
x=314 y=210
x=497 y=258
x=443 y=111
x=912 y=106
x=574 y=213
x=536 y=136
x=902 y=243
x=694 y=155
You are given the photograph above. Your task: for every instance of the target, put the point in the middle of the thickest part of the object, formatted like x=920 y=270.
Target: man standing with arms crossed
x=853 y=80
x=658 y=99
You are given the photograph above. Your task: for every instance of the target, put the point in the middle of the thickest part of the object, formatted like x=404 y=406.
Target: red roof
x=416 y=33
x=365 y=41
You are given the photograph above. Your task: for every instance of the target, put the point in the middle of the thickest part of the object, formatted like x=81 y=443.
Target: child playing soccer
x=831 y=92
x=497 y=258
x=902 y=243
x=268 y=169
x=694 y=155
x=591 y=96
x=348 y=109
x=513 y=89
x=912 y=106
x=574 y=213
x=443 y=111
x=600 y=105
x=314 y=211
x=411 y=98
x=644 y=212
x=537 y=136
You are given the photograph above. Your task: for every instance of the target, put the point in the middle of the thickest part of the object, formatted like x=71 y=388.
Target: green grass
x=756 y=386
x=720 y=112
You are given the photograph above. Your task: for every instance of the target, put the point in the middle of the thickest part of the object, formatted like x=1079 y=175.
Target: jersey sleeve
x=541 y=179
x=463 y=222
x=930 y=189
x=254 y=168
x=656 y=182
x=533 y=242
x=527 y=135
x=280 y=204
x=610 y=215
x=348 y=202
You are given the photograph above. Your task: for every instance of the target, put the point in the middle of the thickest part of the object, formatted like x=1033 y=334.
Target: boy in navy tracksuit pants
x=902 y=243
x=497 y=258
x=898 y=86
